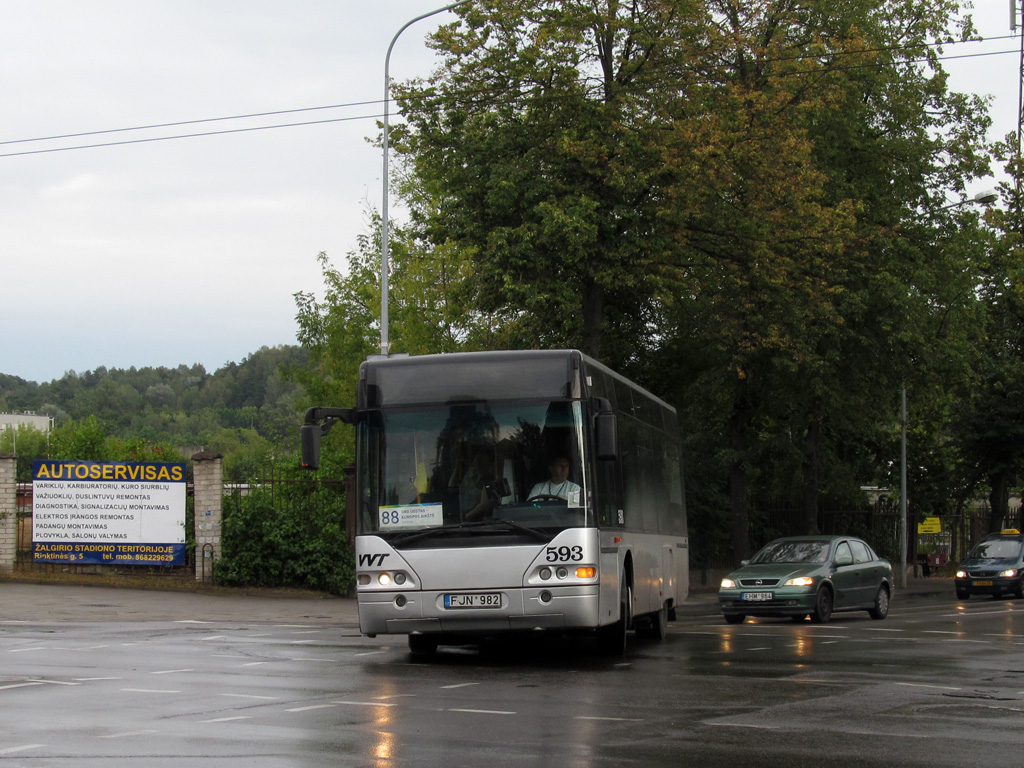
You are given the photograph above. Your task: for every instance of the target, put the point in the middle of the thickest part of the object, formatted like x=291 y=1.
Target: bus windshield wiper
x=475 y=526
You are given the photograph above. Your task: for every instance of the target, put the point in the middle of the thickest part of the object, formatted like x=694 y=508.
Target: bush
x=286 y=533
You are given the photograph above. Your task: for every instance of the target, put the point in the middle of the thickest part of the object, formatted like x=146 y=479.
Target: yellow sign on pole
x=930 y=525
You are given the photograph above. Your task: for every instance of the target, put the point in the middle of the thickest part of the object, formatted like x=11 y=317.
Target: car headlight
x=961 y=574
x=728 y=584
x=1008 y=574
x=800 y=581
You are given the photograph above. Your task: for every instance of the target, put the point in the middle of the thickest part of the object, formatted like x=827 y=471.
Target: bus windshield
x=483 y=467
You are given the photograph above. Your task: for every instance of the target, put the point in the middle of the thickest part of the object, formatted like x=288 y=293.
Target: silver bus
x=520 y=491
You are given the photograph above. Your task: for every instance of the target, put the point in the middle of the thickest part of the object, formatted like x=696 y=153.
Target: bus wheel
x=422 y=645
x=655 y=625
x=611 y=639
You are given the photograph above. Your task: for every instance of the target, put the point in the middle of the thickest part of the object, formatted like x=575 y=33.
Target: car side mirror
x=844 y=559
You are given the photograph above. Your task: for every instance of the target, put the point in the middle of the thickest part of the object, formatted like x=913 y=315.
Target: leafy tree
x=753 y=190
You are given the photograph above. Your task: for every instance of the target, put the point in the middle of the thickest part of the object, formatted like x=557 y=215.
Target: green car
x=802 y=576
x=995 y=566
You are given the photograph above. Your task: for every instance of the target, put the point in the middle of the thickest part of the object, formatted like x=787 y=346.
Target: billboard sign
x=118 y=513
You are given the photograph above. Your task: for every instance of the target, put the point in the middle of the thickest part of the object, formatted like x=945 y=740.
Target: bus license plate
x=756 y=597
x=479 y=600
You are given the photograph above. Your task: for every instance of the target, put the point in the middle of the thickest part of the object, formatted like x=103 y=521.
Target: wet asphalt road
x=106 y=677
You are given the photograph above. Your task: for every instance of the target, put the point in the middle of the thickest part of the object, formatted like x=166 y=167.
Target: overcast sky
x=190 y=251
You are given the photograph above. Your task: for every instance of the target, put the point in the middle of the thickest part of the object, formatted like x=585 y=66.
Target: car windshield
x=792 y=552
x=449 y=470
x=997 y=549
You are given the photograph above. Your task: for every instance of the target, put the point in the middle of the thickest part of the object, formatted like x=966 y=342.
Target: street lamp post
x=385 y=245
x=987 y=197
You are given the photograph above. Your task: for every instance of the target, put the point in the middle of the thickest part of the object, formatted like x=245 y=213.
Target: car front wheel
x=822 y=606
x=881 y=607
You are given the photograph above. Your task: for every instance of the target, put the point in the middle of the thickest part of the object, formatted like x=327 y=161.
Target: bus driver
x=559 y=484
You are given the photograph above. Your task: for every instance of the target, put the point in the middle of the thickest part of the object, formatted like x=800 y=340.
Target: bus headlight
x=384 y=579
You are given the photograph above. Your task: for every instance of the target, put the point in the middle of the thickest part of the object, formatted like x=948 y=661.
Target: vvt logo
x=372 y=560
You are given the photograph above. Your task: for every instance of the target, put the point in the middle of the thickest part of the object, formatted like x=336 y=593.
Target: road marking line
x=457 y=685
x=365 y=703
x=57 y=682
x=925 y=685
x=18 y=685
x=171 y=671
x=226 y=719
x=126 y=734
x=371 y=653
x=311 y=706
x=300 y=658
x=214 y=637
x=92 y=679
x=483 y=711
x=192 y=621
x=22 y=748
x=610 y=719
x=255 y=663
x=248 y=696
x=147 y=690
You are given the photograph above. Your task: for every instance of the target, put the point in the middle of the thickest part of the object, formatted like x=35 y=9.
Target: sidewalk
x=28 y=601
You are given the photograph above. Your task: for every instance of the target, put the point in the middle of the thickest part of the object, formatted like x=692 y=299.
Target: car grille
x=759 y=582
x=982 y=574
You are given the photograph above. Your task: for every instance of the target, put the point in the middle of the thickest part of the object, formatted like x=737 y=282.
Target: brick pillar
x=8 y=512
x=208 y=476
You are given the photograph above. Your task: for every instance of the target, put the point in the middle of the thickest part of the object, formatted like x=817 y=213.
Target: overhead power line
x=254 y=115
x=179 y=136
x=192 y=122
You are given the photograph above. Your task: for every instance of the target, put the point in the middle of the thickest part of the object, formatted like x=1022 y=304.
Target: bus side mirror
x=606 y=430
x=318 y=422
x=309 y=437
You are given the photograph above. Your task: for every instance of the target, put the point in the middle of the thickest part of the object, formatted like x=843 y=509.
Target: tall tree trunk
x=593 y=312
x=811 y=463
x=998 y=499
x=738 y=500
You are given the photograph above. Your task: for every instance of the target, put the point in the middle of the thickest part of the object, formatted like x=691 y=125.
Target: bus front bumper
x=520 y=610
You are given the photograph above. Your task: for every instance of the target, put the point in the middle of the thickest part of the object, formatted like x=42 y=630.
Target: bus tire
x=655 y=626
x=611 y=639
x=422 y=645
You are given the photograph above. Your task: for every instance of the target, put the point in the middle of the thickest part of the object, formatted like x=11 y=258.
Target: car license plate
x=476 y=600
x=756 y=597
x=982 y=583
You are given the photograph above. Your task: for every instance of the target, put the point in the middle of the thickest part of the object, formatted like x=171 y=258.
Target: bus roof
x=407 y=380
